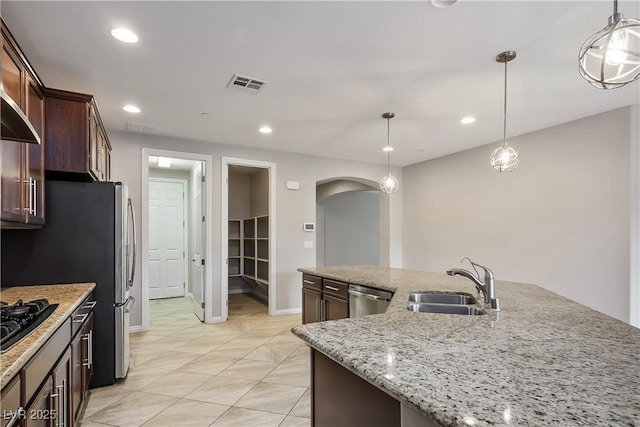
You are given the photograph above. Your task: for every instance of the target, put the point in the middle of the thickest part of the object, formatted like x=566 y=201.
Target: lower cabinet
x=51 y=389
x=323 y=299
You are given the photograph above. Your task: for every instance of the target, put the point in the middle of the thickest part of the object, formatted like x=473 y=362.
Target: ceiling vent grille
x=248 y=83
x=142 y=128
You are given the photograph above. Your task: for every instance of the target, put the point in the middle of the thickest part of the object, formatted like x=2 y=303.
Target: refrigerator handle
x=133 y=254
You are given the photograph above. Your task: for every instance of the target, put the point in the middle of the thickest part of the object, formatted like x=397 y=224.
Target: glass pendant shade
x=505 y=158
x=611 y=57
x=389 y=184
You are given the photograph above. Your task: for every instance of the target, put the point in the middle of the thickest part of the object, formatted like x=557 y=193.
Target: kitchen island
x=542 y=360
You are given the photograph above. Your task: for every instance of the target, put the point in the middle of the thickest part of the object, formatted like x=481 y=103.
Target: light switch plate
x=293 y=185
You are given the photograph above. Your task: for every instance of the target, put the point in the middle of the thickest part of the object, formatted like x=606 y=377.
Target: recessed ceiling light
x=440 y=4
x=388 y=148
x=164 y=162
x=265 y=129
x=131 y=109
x=124 y=35
x=467 y=120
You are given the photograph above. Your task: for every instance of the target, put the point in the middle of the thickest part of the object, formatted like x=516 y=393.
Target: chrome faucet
x=487 y=288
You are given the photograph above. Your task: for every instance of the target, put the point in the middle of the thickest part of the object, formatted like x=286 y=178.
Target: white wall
x=634 y=195
x=350 y=227
x=239 y=185
x=561 y=220
x=293 y=208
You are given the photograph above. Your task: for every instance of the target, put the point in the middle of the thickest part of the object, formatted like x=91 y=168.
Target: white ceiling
x=332 y=69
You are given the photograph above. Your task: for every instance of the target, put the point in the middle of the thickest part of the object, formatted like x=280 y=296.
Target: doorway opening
x=176 y=231
x=248 y=231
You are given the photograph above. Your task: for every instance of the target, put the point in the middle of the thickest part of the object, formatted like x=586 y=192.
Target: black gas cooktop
x=19 y=319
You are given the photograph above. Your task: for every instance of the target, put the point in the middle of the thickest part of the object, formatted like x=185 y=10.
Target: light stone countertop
x=542 y=360
x=67 y=296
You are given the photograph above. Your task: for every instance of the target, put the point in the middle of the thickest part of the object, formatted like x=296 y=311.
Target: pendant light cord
x=615 y=7
x=388 y=146
x=504 y=130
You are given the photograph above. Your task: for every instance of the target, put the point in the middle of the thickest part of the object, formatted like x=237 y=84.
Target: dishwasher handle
x=369 y=296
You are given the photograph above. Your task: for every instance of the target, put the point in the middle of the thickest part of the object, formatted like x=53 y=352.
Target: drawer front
x=36 y=370
x=81 y=314
x=338 y=289
x=312 y=282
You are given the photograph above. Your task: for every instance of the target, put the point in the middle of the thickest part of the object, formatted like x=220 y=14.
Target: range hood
x=15 y=125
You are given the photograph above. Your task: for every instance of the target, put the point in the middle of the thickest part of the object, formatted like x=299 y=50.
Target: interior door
x=198 y=229
x=166 y=239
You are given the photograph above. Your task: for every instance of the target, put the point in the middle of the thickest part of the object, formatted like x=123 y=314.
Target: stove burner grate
x=20 y=319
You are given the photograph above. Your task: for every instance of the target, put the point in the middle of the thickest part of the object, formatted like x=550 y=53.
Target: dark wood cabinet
x=43 y=407
x=11 y=409
x=78 y=147
x=62 y=390
x=81 y=365
x=22 y=165
x=323 y=299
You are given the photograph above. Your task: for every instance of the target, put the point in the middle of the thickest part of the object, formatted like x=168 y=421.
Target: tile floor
x=249 y=371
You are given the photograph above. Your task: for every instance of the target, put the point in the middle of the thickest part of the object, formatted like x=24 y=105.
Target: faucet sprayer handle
x=488 y=274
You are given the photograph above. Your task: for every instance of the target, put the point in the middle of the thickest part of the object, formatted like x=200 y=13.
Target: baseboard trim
x=288 y=311
x=135 y=329
x=218 y=319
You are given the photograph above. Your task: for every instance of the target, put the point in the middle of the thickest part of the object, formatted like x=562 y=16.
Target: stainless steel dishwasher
x=364 y=300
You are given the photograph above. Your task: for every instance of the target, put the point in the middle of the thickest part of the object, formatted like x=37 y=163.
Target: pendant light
x=611 y=57
x=388 y=183
x=505 y=158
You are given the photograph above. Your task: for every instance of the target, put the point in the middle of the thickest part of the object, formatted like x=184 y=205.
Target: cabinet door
x=311 y=306
x=335 y=308
x=62 y=389
x=35 y=155
x=10 y=406
x=87 y=356
x=11 y=153
x=42 y=412
x=94 y=141
x=77 y=373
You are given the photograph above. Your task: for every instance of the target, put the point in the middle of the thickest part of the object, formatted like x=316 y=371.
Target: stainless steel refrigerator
x=89 y=236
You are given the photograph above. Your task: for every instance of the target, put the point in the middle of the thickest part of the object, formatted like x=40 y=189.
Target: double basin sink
x=447 y=303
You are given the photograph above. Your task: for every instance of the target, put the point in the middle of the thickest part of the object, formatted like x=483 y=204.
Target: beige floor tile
x=100 y=398
x=167 y=343
x=292 y=421
x=141 y=376
x=208 y=364
x=297 y=375
x=222 y=390
x=299 y=357
x=271 y=397
x=176 y=384
x=135 y=410
x=303 y=407
x=92 y=424
x=249 y=369
x=238 y=347
x=199 y=346
x=237 y=417
x=271 y=353
x=188 y=413
x=171 y=359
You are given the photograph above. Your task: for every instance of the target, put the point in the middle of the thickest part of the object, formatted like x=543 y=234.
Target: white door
x=196 y=284
x=166 y=238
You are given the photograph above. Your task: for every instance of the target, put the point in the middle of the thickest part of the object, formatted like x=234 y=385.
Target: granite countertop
x=542 y=360
x=68 y=297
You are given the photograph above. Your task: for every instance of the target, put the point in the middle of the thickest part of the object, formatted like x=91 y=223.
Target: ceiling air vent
x=142 y=128
x=248 y=83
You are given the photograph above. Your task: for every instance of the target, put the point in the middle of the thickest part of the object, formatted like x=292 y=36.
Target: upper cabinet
x=77 y=145
x=21 y=164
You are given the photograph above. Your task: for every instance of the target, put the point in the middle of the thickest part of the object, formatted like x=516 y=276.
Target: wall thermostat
x=309 y=226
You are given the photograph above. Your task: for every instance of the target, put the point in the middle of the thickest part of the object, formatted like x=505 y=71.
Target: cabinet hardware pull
x=88 y=337
x=80 y=318
x=308 y=282
x=35 y=197
x=15 y=417
x=29 y=183
x=90 y=304
x=332 y=288
x=63 y=404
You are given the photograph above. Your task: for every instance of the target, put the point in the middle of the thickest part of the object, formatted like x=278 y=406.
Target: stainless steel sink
x=471 y=310
x=441 y=298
